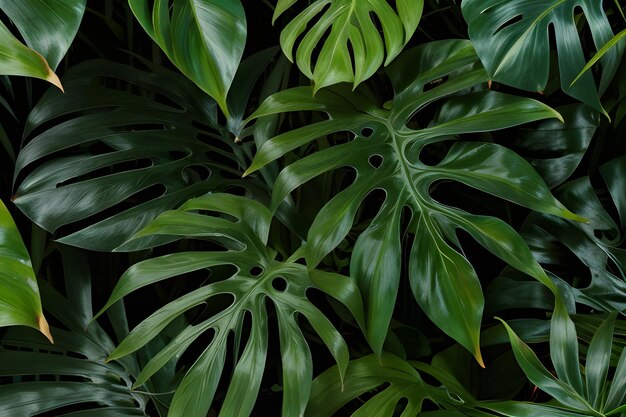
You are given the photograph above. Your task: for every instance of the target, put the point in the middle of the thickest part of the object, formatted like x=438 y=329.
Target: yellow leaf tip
x=479 y=358
x=44 y=328
x=54 y=80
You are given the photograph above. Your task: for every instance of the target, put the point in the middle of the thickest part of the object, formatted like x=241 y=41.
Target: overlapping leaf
x=596 y=244
x=555 y=148
x=385 y=153
x=593 y=395
x=48 y=28
x=259 y=279
x=113 y=159
x=512 y=40
x=393 y=380
x=20 y=303
x=203 y=38
x=55 y=379
x=353 y=49
x=17 y=59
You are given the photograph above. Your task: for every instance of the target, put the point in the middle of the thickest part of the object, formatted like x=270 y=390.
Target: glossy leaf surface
x=203 y=38
x=352 y=49
x=567 y=390
x=385 y=153
x=20 y=303
x=72 y=373
x=17 y=59
x=47 y=27
x=259 y=279
x=512 y=40
x=126 y=157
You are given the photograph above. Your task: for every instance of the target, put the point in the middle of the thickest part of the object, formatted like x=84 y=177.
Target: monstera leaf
x=512 y=40
x=395 y=380
x=596 y=245
x=384 y=150
x=260 y=278
x=43 y=379
x=354 y=49
x=203 y=38
x=555 y=148
x=110 y=160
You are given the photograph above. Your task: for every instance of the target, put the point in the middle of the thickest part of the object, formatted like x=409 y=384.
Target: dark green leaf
x=512 y=40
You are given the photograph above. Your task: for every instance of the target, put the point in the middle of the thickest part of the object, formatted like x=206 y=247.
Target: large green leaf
x=260 y=278
x=385 y=153
x=353 y=49
x=203 y=38
x=512 y=40
x=17 y=59
x=20 y=303
x=110 y=160
x=48 y=28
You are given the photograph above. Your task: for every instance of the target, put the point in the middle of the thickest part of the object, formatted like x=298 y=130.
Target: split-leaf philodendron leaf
x=385 y=153
x=354 y=49
x=259 y=278
x=512 y=40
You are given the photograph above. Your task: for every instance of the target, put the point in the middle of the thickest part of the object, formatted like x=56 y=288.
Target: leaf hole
x=115 y=168
x=176 y=155
x=139 y=127
x=367 y=132
x=376 y=161
x=433 y=153
x=195 y=173
x=256 y=271
x=510 y=22
x=279 y=284
x=434 y=83
x=401 y=406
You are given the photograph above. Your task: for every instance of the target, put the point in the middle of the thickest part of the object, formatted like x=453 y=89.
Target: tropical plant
x=312 y=208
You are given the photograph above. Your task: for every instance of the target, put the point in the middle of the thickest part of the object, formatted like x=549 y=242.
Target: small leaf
x=540 y=376
x=20 y=303
x=203 y=38
x=598 y=358
x=17 y=59
x=601 y=52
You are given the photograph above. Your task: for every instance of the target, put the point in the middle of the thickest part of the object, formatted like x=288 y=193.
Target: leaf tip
x=54 y=80
x=44 y=328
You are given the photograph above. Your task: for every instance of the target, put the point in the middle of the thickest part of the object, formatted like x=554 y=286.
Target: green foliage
x=203 y=38
x=353 y=50
x=313 y=208
x=20 y=303
x=508 y=45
